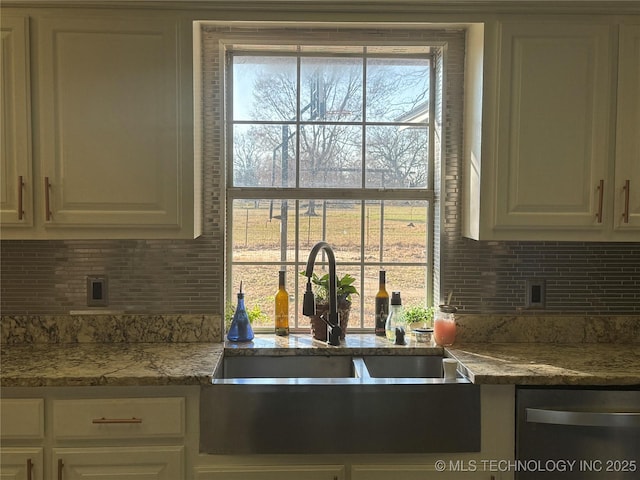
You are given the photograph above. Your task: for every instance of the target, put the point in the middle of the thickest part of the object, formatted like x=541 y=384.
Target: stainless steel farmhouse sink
x=337 y=404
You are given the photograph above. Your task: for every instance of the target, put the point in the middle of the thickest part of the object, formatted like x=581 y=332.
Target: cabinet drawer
x=22 y=419
x=118 y=418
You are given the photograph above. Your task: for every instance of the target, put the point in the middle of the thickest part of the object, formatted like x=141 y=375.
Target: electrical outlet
x=535 y=294
x=97 y=291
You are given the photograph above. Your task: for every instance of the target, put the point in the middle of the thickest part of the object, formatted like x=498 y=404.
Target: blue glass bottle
x=240 y=330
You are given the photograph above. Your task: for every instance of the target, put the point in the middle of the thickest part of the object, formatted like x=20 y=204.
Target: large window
x=334 y=143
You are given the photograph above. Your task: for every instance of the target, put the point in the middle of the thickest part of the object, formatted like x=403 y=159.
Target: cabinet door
x=21 y=463
x=627 y=178
x=158 y=463
x=552 y=135
x=449 y=470
x=264 y=472
x=16 y=187
x=109 y=127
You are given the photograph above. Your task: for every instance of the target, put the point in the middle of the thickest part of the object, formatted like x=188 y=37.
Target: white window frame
x=296 y=193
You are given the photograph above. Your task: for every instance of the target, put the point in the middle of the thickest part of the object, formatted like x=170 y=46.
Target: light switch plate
x=535 y=294
x=97 y=291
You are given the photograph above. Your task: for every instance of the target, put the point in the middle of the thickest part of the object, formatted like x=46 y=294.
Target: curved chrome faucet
x=309 y=304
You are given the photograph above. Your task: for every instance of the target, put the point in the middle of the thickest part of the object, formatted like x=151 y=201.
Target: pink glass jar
x=444 y=326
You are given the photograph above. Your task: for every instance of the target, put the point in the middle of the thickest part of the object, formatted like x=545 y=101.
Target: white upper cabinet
x=16 y=198
x=113 y=154
x=627 y=166
x=553 y=124
x=549 y=166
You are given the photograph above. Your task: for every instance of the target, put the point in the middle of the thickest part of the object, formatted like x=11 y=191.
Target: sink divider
x=360 y=367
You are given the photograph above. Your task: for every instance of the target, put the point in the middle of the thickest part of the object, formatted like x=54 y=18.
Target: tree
x=330 y=139
x=400 y=154
x=248 y=167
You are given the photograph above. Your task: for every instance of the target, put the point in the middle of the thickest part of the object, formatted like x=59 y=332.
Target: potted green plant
x=345 y=290
x=418 y=316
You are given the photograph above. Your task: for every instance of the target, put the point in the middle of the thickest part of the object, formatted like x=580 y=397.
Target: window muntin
x=365 y=165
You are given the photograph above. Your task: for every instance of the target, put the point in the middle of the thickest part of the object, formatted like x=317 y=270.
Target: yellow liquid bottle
x=381 y=305
x=282 y=307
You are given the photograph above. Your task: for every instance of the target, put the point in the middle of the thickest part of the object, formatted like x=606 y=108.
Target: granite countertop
x=113 y=364
x=132 y=364
x=592 y=364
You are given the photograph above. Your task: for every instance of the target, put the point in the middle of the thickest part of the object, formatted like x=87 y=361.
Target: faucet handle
x=333 y=335
x=309 y=301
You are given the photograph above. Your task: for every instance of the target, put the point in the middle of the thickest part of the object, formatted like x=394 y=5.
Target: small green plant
x=255 y=314
x=419 y=313
x=345 y=287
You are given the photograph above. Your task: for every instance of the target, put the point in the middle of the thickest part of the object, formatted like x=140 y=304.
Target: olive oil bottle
x=382 y=305
x=282 y=306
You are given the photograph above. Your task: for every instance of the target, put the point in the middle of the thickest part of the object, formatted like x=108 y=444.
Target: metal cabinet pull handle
x=60 y=466
x=600 y=197
x=116 y=420
x=29 y=469
x=47 y=205
x=584 y=418
x=625 y=214
x=20 y=189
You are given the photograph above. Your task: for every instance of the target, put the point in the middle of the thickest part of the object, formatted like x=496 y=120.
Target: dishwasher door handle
x=583 y=418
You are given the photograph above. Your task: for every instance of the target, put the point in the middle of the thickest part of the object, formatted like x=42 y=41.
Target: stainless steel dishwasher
x=582 y=433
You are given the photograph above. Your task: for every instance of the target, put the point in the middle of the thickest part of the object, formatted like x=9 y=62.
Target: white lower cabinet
x=86 y=433
x=21 y=463
x=453 y=470
x=261 y=472
x=22 y=421
x=119 y=463
x=114 y=422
